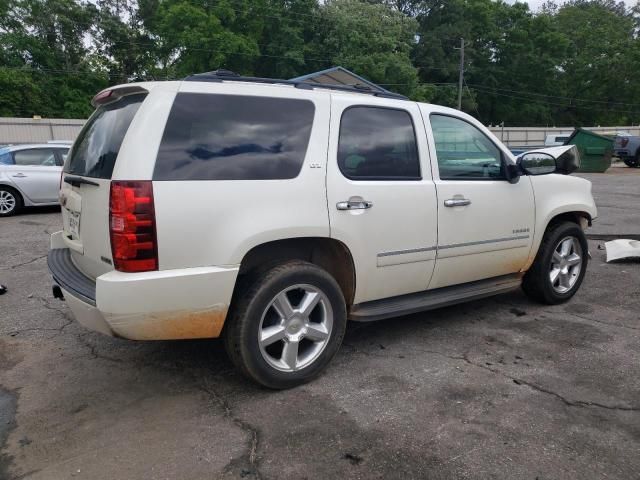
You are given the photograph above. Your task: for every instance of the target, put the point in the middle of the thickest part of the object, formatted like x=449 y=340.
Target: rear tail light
x=624 y=141
x=132 y=226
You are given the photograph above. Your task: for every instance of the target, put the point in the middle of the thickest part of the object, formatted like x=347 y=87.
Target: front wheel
x=560 y=266
x=633 y=162
x=286 y=325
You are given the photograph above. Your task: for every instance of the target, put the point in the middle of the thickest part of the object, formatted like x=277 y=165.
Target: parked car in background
x=30 y=175
x=271 y=212
x=556 y=139
x=627 y=148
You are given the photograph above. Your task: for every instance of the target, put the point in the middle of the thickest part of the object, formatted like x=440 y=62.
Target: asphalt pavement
x=498 y=388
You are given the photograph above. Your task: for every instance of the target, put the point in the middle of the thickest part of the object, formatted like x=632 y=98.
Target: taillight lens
x=132 y=226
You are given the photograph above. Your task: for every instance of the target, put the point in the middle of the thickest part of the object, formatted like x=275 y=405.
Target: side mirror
x=512 y=172
x=537 y=163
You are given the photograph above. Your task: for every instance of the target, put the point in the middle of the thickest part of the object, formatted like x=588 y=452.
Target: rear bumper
x=161 y=305
x=69 y=278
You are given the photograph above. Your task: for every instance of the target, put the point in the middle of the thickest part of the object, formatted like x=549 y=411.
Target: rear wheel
x=286 y=325
x=560 y=266
x=10 y=201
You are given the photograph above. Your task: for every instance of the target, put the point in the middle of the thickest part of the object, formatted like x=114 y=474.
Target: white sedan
x=30 y=175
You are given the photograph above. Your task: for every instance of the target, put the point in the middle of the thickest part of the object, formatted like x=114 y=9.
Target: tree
x=371 y=39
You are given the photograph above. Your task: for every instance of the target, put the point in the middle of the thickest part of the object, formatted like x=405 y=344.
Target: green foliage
x=569 y=64
x=371 y=39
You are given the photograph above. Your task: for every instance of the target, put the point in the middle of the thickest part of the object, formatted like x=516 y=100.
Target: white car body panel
x=392 y=243
x=556 y=194
x=490 y=237
x=233 y=216
x=407 y=242
x=38 y=185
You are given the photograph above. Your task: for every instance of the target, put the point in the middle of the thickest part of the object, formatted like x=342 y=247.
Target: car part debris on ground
x=622 y=248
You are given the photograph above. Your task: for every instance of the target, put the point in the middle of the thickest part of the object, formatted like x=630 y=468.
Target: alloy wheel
x=566 y=264
x=295 y=328
x=7 y=201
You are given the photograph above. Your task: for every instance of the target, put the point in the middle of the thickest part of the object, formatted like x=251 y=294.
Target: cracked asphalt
x=497 y=388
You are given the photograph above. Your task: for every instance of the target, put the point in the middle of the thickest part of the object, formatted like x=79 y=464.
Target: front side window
x=464 y=152
x=44 y=157
x=378 y=144
x=234 y=137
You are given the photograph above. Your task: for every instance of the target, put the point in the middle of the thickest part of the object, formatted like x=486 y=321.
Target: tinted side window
x=96 y=148
x=464 y=152
x=377 y=144
x=234 y=137
x=44 y=157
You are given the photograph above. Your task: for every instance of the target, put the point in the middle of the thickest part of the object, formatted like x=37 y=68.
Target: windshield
x=95 y=150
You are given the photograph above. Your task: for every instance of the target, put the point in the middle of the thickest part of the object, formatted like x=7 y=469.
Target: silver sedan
x=30 y=175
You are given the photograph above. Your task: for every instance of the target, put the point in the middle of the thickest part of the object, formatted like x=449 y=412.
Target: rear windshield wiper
x=77 y=181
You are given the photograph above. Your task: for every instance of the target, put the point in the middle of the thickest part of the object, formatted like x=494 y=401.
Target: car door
x=485 y=223
x=381 y=197
x=36 y=172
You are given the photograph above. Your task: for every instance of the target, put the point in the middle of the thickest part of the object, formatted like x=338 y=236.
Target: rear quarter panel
x=215 y=223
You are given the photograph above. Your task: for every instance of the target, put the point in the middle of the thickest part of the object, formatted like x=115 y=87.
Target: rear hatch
x=86 y=179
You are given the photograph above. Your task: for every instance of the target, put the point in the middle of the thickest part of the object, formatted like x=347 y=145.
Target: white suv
x=270 y=212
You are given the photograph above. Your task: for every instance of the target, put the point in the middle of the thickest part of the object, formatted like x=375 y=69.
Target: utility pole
x=461 y=77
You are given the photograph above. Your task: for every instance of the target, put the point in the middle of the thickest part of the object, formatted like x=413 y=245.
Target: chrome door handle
x=457 y=202
x=354 y=205
x=19 y=175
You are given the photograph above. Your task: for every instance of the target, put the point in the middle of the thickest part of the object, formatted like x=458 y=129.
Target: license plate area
x=73 y=224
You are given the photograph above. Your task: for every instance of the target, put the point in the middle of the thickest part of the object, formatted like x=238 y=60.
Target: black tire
x=253 y=300
x=537 y=283
x=8 y=192
x=633 y=162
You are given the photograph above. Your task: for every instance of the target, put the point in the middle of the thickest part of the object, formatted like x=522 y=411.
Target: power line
x=496 y=89
x=607 y=102
x=555 y=104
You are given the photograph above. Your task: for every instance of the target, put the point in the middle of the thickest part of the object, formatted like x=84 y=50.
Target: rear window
x=234 y=137
x=95 y=151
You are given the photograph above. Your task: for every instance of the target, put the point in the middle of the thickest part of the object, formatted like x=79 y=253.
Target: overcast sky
x=535 y=4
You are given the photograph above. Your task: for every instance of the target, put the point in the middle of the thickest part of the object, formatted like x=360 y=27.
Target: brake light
x=102 y=97
x=132 y=226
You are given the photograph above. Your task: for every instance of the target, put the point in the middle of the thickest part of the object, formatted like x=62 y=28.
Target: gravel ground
x=497 y=388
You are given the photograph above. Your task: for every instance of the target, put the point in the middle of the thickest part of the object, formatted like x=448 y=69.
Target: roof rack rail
x=222 y=75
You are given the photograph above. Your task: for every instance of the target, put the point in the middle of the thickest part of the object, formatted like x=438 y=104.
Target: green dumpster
x=595 y=150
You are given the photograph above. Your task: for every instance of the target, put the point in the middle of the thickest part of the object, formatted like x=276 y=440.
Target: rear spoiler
x=567 y=157
x=110 y=95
